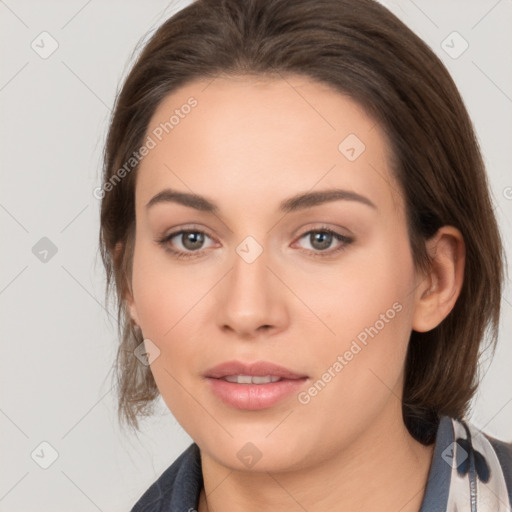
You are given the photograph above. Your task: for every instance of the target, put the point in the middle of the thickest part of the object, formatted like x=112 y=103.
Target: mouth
x=259 y=369
x=253 y=386
x=249 y=379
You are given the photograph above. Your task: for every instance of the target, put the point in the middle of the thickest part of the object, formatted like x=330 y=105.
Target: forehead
x=241 y=136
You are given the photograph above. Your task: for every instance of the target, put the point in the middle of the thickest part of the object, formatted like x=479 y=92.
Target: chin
x=257 y=453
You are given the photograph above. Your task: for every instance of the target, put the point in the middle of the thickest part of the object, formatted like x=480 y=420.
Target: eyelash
x=193 y=254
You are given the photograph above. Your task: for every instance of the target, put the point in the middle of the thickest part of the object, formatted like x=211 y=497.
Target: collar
x=466 y=473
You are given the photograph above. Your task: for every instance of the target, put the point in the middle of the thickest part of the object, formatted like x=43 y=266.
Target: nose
x=251 y=299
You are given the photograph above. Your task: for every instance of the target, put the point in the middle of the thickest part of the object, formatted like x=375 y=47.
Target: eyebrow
x=297 y=202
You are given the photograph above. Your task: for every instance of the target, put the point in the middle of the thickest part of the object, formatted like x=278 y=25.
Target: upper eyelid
x=180 y=231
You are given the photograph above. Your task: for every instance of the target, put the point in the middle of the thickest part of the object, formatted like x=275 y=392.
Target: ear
x=130 y=302
x=438 y=291
x=128 y=294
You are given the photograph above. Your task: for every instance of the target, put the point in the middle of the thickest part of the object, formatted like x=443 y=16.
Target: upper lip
x=256 y=369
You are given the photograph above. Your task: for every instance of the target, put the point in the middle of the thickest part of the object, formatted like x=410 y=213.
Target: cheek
x=359 y=372
x=367 y=283
x=368 y=308
x=172 y=308
x=161 y=292
x=163 y=298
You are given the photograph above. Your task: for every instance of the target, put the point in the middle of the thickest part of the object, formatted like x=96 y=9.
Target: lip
x=253 y=396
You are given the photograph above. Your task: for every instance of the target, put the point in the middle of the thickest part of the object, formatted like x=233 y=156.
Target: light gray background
x=58 y=342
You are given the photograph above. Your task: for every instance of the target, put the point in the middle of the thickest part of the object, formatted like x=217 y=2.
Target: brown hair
x=364 y=51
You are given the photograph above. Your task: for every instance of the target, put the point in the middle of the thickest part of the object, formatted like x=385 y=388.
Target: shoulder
x=177 y=488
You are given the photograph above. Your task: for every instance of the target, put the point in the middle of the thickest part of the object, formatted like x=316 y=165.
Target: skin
x=247 y=145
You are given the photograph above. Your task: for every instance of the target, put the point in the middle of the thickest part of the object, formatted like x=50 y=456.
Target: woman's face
x=260 y=279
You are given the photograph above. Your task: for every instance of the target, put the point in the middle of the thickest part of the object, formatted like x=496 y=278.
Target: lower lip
x=254 y=396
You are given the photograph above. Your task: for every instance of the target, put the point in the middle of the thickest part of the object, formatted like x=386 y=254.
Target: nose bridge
x=249 y=278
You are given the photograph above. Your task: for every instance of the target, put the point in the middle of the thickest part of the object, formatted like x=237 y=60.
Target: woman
x=296 y=217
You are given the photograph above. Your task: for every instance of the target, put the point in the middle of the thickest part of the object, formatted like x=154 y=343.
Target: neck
x=385 y=468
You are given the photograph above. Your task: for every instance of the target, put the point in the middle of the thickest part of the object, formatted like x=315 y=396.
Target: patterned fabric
x=470 y=472
x=477 y=479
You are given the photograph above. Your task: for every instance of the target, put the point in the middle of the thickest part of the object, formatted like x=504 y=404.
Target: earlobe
x=437 y=293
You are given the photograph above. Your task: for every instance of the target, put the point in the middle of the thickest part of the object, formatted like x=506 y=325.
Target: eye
x=320 y=241
x=188 y=241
